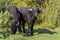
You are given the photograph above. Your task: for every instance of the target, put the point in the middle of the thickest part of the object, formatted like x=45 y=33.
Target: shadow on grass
x=38 y=31
x=41 y=31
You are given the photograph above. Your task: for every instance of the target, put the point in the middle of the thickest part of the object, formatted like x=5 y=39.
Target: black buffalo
x=14 y=15
x=29 y=15
x=22 y=15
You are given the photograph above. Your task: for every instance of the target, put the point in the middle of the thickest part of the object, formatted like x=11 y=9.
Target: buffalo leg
x=23 y=26
x=14 y=27
x=30 y=28
x=19 y=27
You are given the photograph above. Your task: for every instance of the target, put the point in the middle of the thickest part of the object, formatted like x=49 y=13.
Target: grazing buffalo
x=29 y=15
x=14 y=15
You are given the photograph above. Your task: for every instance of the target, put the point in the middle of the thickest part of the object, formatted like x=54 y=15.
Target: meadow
x=39 y=34
x=47 y=25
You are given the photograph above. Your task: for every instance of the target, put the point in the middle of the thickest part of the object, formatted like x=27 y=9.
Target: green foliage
x=4 y=18
x=18 y=3
x=4 y=3
x=48 y=25
x=51 y=12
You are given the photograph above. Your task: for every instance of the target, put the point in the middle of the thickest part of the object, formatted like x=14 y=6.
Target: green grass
x=39 y=34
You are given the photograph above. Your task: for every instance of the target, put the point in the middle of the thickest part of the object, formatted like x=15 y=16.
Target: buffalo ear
x=39 y=11
x=3 y=9
x=30 y=10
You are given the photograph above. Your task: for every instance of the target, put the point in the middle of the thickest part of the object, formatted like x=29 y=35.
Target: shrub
x=51 y=12
x=4 y=18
